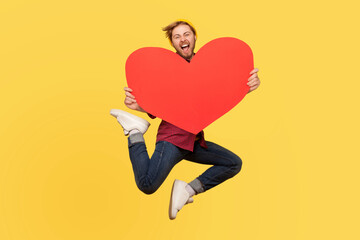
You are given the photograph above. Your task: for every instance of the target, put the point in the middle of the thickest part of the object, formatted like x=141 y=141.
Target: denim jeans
x=151 y=173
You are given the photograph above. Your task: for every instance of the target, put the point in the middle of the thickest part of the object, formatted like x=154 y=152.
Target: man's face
x=183 y=40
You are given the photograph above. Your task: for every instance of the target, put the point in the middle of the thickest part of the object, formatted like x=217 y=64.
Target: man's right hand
x=130 y=100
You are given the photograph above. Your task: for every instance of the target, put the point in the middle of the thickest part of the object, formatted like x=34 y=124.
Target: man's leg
x=151 y=173
x=226 y=165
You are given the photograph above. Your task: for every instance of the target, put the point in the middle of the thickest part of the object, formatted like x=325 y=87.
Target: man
x=174 y=144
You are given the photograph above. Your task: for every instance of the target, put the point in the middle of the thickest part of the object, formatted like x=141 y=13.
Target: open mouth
x=185 y=48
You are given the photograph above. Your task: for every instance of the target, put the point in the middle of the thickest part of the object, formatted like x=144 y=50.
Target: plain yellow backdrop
x=64 y=166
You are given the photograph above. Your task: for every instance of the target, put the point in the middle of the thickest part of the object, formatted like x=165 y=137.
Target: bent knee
x=236 y=167
x=147 y=188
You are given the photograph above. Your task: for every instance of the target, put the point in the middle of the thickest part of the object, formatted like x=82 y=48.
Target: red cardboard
x=191 y=95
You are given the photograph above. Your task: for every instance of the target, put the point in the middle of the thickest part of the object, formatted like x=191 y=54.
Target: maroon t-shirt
x=177 y=136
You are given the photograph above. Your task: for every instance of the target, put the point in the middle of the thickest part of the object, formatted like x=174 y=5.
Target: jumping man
x=174 y=144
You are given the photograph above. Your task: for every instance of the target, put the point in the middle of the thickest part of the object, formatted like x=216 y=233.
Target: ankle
x=133 y=131
x=190 y=190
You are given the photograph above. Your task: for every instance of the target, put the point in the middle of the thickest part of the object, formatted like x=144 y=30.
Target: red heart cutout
x=191 y=95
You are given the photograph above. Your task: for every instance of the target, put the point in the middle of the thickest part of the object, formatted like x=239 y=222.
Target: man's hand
x=253 y=81
x=130 y=100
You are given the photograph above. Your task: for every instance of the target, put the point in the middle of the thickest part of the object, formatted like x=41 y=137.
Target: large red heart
x=191 y=95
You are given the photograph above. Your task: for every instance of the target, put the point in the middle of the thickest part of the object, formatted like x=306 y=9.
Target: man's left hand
x=253 y=81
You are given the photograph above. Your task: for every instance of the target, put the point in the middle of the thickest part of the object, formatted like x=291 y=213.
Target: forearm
x=140 y=109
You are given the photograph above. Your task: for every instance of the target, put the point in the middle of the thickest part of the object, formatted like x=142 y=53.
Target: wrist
x=141 y=110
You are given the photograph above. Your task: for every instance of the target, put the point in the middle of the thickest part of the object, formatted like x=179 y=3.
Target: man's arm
x=253 y=81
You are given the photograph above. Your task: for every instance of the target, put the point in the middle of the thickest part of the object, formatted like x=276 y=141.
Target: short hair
x=169 y=28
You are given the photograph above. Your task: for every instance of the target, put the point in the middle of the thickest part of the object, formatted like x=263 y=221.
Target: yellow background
x=64 y=166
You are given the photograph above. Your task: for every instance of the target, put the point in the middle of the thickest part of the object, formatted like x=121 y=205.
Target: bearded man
x=174 y=144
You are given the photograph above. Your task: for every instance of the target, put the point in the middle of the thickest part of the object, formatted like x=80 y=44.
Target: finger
x=129 y=95
x=253 y=76
x=253 y=88
x=128 y=89
x=252 y=82
x=130 y=100
x=255 y=70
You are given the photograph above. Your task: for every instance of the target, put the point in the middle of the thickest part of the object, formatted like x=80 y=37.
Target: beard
x=187 y=54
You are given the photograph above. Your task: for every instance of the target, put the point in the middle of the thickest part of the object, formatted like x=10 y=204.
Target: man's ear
x=195 y=37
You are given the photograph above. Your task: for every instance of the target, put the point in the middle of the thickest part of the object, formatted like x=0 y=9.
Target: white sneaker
x=179 y=197
x=129 y=121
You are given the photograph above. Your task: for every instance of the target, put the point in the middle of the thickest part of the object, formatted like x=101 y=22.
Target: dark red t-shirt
x=177 y=136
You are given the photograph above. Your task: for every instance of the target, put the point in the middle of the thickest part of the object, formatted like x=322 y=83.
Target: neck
x=187 y=59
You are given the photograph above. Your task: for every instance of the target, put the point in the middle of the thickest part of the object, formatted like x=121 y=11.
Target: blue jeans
x=151 y=173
